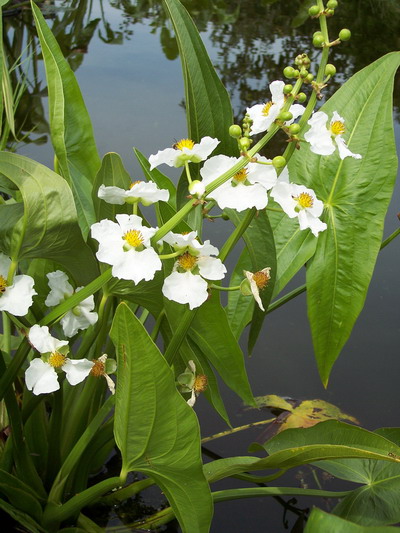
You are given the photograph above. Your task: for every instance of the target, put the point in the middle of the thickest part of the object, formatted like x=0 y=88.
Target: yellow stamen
x=187 y=261
x=184 y=143
x=337 y=127
x=261 y=279
x=266 y=108
x=98 y=369
x=241 y=176
x=134 y=183
x=3 y=284
x=200 y=383
x=304 y=200
x=57 y=359
x=133 y=237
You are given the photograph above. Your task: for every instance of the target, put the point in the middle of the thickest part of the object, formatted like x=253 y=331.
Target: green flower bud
x=313 y=11
x=309 y=78
x=285 y=115
x=235 y=131
x=296 y=73
x=303 y=73
x=288 y=72
x=318 y=32
x=330 y=70
x=330 y=12
x=287 y=89
x=318 y=40
x=244 y=143
x=345 y=34
x=301 y=98
x=332 y=4
x=299 y=60
x=294 y=129
x=279 y=161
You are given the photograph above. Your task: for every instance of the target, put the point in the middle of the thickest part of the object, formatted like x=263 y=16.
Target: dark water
x=133 y=89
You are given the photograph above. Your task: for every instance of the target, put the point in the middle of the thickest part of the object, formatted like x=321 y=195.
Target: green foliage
x=155 y=430
x=321 y=521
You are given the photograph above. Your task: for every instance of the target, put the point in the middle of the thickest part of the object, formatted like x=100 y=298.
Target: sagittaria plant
x=83 y=248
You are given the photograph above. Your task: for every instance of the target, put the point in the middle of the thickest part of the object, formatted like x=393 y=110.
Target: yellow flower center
x=187 y=261
x=200 y=383
x=261 y=279
x=98 y=369
x=304 y=200
x=133 y=237
x=3 y=284
x=241 y=176
x=337 y=127
x=57 y=359
x=184 y=143
x=134 y=183
x=266 y=108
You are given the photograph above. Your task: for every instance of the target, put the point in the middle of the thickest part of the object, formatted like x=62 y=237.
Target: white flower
x=182 y=151
x=197 y=188
x=126 y=246
x=100 y=368
x=41 y=376
x=246 y=189
x=140 y=191
x=187 y=282
x=257 y=281
x=299 y=201
x=189 y=381
x=80 y=317
x=18 y=297
x=321 y=138
x=263 y=115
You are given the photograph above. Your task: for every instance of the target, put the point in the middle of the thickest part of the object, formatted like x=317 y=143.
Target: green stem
x=237 y=233
x=289 y=296
x=189 y=177
x=157 y=325
x=6 y=334
x=77 y=298
x=236 y=430
x=54 y=452
x=13 y=368
x=127 y=492
x=390 y=238
x=172 y=349
x=171 y=255
x=219 y=288
x=144 y=316
x=274 y=209
x=256 y=492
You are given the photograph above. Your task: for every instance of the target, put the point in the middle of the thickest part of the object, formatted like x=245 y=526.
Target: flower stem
x=171 y=255
x=236 y=430
x=219 y=288
x=189 y=177
x=390 y=238
x=289 y=296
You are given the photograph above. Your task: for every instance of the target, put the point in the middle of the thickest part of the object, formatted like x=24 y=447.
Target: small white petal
x=18 y=297
x=147 y=193
x=77 y=370
x=211 y=267
x=137 y=266
x=276 y=88
x=111 y=195
x=318 y=135
x=203 y=149
x=281 y=193
x=60 y=288
x=192 y=400
x=254 y=289
x=185 y=288
x=43 y=341
x=41 y=378
x=168 y=156
x=343 y=150
x=306 y=220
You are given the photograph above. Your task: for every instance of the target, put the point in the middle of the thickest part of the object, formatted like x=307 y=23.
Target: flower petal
x=77 y=370
x=43 y=341
x=111 y=195
x=343 y=150
x=169 y=156
x=41 y=378
x=211 y=267
x=136 y=266
x=185 y=288
x=18 y=297
x=60 y=288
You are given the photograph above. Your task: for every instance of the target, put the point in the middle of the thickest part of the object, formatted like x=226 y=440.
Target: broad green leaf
x=356 y=194
x=45 y=225
x=155 y=430
x=378 y=500
x=112 y=173
x=240 y=308
x=208 y=107
x=20 y=495
x=70 y=125
x=320 y=521
x=259 y=240
x=146 y=293
x=211 y=332
x=22 y=518
x=294 y=247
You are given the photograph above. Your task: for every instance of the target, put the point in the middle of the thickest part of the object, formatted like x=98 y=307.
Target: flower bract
x=263 y=115
x=322 y=139
x=125 y=245
x=41 y=376
x=183 y=151
x=145 y=192
x=187 y=282
x=17 y=297
x=246 y=189
x=80 y=317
